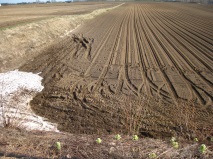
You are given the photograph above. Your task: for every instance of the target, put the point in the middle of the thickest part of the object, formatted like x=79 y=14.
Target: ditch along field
x=144 y=68
x=25 y=30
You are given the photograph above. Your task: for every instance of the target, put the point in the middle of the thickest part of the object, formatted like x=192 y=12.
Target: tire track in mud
x=123 y=73
x=112 y=55
x=142 y=48
x=146 y=61
x=206 y=47
x=174 y=38
x=97 y=85
x=164 y=42
x=190 y=29
x=177 y=36
x=140 y=53
x=161 y=62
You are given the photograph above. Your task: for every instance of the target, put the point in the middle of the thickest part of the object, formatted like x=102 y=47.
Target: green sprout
x=98 y=140
x=195 y=139
x=175 y=145
x=203 y=148
x=135 y=137
x=173 y=139
x=211 y=139
x=58 y=146
x=174 y=142
x=117 y=137
x=152 y=155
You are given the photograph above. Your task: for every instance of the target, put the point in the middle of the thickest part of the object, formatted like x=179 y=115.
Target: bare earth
x=22 y=37
x=14 y=15
x=142 y=67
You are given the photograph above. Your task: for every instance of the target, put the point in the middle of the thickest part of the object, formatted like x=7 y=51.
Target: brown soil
x=30 y=34
x=140 y=68
x=13 y=15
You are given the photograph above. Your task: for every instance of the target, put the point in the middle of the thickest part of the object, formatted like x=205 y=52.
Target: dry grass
x=16 y=142
x=36 y=144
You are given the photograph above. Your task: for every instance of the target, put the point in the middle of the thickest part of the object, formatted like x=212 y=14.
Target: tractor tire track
x=168 y=49
x=142 y=57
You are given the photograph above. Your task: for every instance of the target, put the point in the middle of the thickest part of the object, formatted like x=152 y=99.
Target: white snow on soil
x=14 y=80
x=16 y=91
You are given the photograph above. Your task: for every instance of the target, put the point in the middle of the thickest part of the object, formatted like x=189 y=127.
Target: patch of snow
x=12 y=81
x=16 y=91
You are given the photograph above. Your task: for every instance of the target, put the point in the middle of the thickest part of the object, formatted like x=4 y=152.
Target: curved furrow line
x=126 y=54
x=117 y=51
x=169 y=49
x=197 y=20
x=143 y=48
x=156 y=51
x=178 y=50
x=192 y=33
x=187 y=44
x=121 y=78
x=188 y=23
x=199 y=42
x=92 y=86
x=186 y=20
x=112 y=52
x=195 y=26
x=194 y=50
x=100 y=47
x=189 y=27
x=139 y=52
x=96 y=53
x=133 y=60
x=183 y=16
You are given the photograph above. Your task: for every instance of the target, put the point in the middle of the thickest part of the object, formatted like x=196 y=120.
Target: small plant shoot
x=203 y=148
x=58 y=146
x=152 y=155
x=135 y=137
x=98 y=140
x=175 y=145
x=195 y=139
x=173 y=139
x=174 y=142
x=118 y=137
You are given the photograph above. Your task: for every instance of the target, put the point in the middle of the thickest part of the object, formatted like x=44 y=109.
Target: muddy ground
x=142 y=68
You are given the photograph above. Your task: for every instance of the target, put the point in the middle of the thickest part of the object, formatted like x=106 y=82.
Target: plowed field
x=141 y=68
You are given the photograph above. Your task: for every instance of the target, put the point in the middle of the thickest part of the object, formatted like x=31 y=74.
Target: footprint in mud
x=84 y=46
